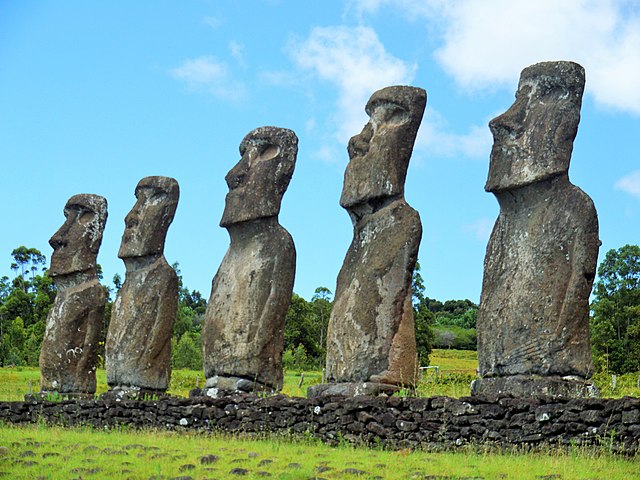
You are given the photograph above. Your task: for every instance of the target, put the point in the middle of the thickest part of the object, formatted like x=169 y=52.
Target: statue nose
x=237 y=174
x=358 y=146
x=510 y=123
x=59 y=239
x=56 y=242
x=131 y=220
x=233 y=181
x=505 y=125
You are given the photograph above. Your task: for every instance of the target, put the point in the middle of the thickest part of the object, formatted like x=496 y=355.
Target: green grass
x=626 y=385
x=53 y=452
x=458 y=361
x=15 y=382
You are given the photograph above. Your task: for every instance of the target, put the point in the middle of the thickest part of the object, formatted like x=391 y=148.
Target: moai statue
x=243 y=333
x=371 y=346
x=68 y=357
x=138 y=346
x=533 y=322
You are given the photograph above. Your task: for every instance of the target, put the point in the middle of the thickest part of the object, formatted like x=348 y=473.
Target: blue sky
x=96 y=95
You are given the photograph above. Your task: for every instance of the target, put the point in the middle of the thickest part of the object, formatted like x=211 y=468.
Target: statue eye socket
x=82 y=215
x=85 y=217
x=390 y=114
x=267 y=152
x=158 y=195
x=149 y=194
x=77 y=209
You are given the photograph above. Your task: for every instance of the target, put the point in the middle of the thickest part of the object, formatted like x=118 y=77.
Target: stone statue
x=533 y=322
x=138 y=346
x=68 y=357
x=243 y=334
x=371 y=346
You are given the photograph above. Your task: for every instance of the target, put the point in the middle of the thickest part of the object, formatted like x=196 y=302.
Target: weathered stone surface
x=68 y=357
x=351 y=389
x=371 y=331
x=138 y=346
x=243 y=334
x=389 y=422
x=541 y=258
x=532 y=386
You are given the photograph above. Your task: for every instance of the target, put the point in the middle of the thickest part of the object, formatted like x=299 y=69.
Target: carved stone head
x=147 y=223
x=76 y=244
x=379 y=156
x=259 y=180
x=533 y=140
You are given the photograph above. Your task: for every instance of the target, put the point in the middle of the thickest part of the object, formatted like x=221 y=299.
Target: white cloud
x=435 y=138
x=280 y=78
x=630 y=184
x=310 y=125
x=209 y=75
x=330 y=155
x=481 y=228
x=411 y=8
x=486 y=43
x=356 y=62
x=212 y=22
x=237 y=52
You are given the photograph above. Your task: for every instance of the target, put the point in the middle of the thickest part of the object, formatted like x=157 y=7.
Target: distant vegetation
x=615 y=320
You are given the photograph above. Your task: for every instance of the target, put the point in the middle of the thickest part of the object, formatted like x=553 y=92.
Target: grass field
x=455 y=361
x=52 y=452
x=456 y=370
x=15 y=382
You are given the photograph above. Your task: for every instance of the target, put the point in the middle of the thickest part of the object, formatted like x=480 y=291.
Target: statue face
x=258 y=181
x=533 y=140
x=76 y=244
x=380 y=154
x=147 y=223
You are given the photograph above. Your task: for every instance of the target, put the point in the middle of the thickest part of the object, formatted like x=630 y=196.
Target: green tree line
x=25 y=301
x=615 y=312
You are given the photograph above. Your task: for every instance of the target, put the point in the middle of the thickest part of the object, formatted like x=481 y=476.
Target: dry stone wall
x=392 y=422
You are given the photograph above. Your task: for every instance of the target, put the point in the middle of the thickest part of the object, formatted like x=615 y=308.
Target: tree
x=299 y=328
x=191 y=308
x=450 y=324
x=24 y=305
x=187 y=352
x=305 y=329
x=13 y=343
x=117 y=282
x=27 y=259
x=425 y=337
x=615 y=320
x=322 y=305
x=423 y=318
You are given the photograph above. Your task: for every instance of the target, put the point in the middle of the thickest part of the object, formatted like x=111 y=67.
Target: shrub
x=455 y=337
x=188 y=352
